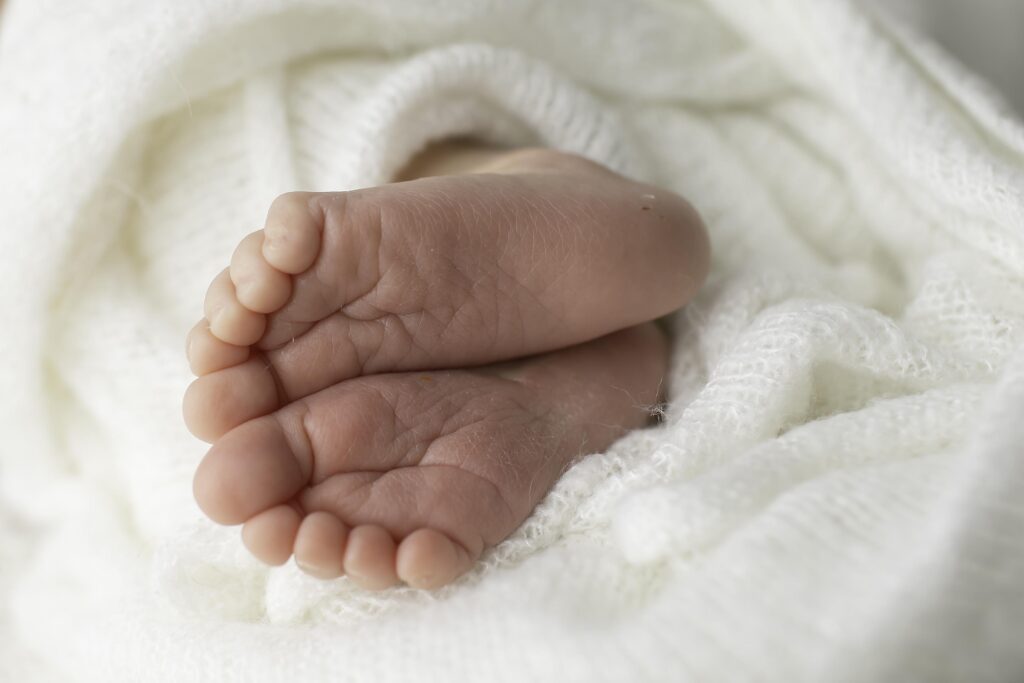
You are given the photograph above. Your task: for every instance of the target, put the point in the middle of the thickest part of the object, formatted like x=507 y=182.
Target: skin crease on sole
x=411 y=474
x=396 y=280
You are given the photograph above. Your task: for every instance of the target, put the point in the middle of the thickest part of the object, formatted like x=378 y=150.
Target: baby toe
x=370 y=557
x=320 y=545
x=206 y=353
x=270 y=535
x=218 y=402
x=230 y=321
x=429 y=559
x=249 y=470
x=258 y=286
x=292 y=234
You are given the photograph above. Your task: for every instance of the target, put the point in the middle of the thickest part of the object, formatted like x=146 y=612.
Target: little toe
x=270 y=535
x=258 y=286
x=230 y=321
x=370 y=557
x=249 y=470
x=292 y=234
x=320 y=545
x=429 y=559
x=206 y=353
x=216 y=403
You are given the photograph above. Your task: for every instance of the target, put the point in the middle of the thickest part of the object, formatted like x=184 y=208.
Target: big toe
x=249 y=470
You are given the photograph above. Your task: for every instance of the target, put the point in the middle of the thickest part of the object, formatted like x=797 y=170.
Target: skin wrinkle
x=537 y=243
x=452 y=405
x=364 y=427
x=513 y=228
x=499 y=495
x=332 y=214
x=460 y=287
x=369 y=231
x=482 y=541
x=417 y=452
x=458 y=280
x=557 y=318
x=386 y=318
x=398 y=427
x=368 y=355
x=501 y=322
x=538 y=216
x=480 y=312
x=408 y=341
x=477 y=283
x=441 y=272
x=410 y=272
x=373 y=480
x=535 y=444
x=283 y=397
x=301 y=444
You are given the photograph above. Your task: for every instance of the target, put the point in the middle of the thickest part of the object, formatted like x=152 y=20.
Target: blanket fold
x=833 y=492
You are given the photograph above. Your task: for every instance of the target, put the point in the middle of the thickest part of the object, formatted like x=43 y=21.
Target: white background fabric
x=984 y=34
x=833 y=495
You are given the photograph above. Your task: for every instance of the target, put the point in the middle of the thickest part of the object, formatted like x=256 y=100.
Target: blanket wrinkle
x=834 y=491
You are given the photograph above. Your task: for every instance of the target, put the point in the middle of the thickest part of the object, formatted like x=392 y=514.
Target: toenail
x=422 y=580
x=306 y=567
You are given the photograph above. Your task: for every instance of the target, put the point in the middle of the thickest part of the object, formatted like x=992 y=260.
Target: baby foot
x=411 y=476
x=455 y=271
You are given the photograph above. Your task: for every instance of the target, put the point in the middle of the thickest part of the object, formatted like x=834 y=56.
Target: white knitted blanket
x=835 y=492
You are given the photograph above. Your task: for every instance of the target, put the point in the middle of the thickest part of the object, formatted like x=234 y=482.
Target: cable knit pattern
x=834 y=493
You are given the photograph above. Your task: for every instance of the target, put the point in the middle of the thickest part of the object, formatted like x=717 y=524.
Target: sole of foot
x=409 y=477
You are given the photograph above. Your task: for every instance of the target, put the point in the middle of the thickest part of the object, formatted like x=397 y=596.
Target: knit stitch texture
x=834 y=493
